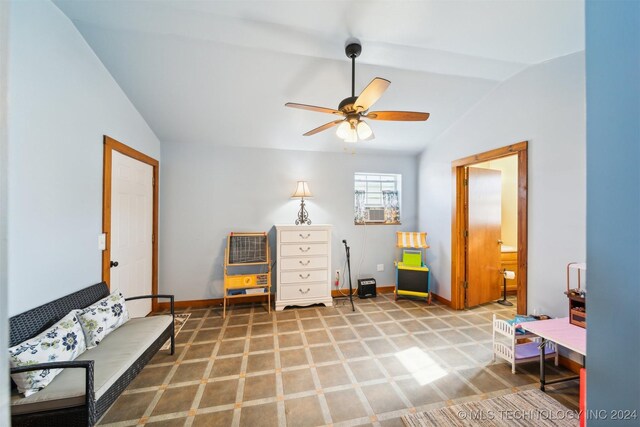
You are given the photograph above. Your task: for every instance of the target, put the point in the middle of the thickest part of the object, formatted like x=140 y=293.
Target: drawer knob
x=303 y=249
x=304 y=292
x=305 y=276
x=304 y=237
x=305 y=263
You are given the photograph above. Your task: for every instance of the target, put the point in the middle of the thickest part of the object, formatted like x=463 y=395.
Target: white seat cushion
x=115 y=354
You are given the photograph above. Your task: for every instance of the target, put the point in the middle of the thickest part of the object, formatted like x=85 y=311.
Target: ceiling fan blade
x=371 y=94
x=314 y=108
x=401 y=116
x=323 y=127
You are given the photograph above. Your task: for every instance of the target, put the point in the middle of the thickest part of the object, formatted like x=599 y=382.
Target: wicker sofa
x=88 y=386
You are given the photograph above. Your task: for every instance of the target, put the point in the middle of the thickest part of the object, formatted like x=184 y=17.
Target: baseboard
x=214 y=302
x=571 y=365
x=217 y=302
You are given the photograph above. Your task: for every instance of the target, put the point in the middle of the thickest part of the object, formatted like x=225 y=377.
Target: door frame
x=110 y=145
x=459 y=220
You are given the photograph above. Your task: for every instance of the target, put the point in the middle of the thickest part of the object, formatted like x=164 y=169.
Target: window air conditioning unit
x=374 y=214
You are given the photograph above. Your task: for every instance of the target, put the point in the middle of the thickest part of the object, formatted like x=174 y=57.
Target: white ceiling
x=219 y=72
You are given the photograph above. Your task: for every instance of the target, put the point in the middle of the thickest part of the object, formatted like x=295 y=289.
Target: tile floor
x=324 y=366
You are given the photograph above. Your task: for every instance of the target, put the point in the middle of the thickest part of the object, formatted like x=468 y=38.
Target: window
x=377 y=198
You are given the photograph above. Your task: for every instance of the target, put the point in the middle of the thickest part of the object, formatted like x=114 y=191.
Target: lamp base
x=303 y=215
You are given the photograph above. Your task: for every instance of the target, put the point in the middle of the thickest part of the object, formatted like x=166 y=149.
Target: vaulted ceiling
x=220 y=72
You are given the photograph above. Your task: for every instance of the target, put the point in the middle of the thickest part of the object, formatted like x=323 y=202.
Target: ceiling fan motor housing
x=346 y=105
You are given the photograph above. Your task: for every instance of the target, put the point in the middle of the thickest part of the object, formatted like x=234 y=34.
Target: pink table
x=564 y=334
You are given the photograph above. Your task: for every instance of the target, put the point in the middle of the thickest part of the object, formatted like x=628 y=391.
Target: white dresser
x=303 y=265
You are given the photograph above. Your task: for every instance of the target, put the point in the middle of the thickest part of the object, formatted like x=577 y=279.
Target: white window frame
x=369 y=180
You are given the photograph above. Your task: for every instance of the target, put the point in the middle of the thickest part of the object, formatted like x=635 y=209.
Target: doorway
x=130 y=223
x=483 y=245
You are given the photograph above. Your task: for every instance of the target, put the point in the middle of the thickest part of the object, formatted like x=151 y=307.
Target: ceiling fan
x=352 y=110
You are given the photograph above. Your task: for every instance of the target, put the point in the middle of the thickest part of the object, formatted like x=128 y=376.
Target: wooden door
x=484 y=190
x=132 y=230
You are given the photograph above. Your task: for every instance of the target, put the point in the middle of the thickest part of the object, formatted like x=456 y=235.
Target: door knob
x=499 y=241
x=114 y=263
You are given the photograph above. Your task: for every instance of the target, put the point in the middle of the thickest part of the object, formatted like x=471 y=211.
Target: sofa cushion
x=103 y=317
x=115 y=354
x=63 y=342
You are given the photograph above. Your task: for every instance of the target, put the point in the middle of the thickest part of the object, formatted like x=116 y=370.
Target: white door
x=131 y=230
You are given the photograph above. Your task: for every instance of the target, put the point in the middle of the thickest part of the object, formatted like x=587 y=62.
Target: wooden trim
x=377 y=223
x=458 y=249
x=571 y=365
x=441 y=300
x=523 y=238
x=459 y=218
x=491 y=154
x=215 y=302
x=111 y=144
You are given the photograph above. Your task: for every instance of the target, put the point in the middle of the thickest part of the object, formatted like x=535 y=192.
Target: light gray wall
x=207 y=192
x=613 y=209
x=4 y=339
x=62 y=101
x=544 y=105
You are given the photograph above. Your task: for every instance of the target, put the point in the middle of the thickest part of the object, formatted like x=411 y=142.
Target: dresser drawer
x=299 y=263
x=303 y=276
x=303 y=249
x=302 y=291
x=303 y=236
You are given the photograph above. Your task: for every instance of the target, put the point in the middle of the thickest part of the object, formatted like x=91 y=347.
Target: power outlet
x=380 y=267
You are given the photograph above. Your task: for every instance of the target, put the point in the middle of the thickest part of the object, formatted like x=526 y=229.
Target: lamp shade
x=302 y=191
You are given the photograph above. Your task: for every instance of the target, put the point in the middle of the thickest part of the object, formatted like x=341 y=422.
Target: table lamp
x=302 y=192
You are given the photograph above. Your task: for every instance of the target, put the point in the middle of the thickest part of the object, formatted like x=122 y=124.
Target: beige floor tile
x=150 y=376
x=262 y=329
x=206 y=335
x=261 y=362
x=235 y=332
x=219 y=393
x=288 y=326
x=343 y=334
x=304 y=412
x=297 y=381
x=291 y=358
x=128 y=407
x=261 y=343
x=419 y=393
x=325 y=353
x=383 y=398
x=365 y=370
x=351 y=350
x=226 y=367
x=290 y=340
x=231 y=347
x=317 y=337
x=259 y=387
x=332 y=375
x=265 y=415
x=344 y=405
x=222 y=418
x=175 y=400
x=189 y=372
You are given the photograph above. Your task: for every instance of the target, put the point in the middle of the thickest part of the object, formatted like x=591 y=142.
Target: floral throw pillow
x=102 y=318
x=63 y=342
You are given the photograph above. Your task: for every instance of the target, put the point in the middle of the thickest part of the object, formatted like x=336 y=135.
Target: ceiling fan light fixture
x=364 y=130
x=343 y=130
x=352 y=135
